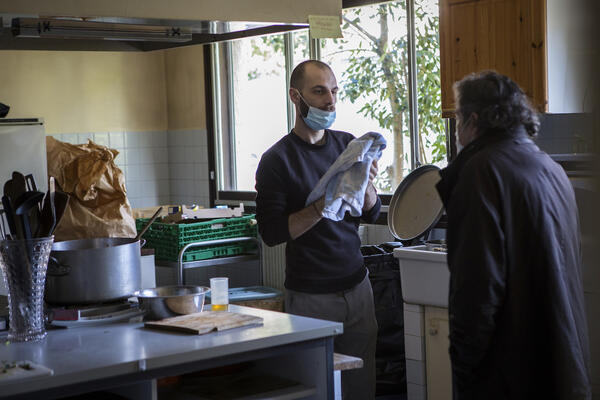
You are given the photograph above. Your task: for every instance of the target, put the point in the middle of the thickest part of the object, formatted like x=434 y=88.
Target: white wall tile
x=416 y=392
x=179 y=187
x=134 y=156
x=121 y=158
x=190 y=154
x=202 y=189
x=162 y=171
x=116 y=140
x=160 y=155
x=135 y=202
x=413 y=323
x=176 y=154
x=413 y=307
x=164 y=188
x=202 y=136
x=176 y=138
x=146 y=155
x=203 y=154
x=414 y=347
x=101 y=139
x=134 y=172
x=415 y=372
x=149 y=188
x=82 y=138
x=70 y=138
x=200 y=171
x=181 y=171
x=194 y=138
x=134 y=189
x=148 y=171
x=158 y=139
x=133 y=139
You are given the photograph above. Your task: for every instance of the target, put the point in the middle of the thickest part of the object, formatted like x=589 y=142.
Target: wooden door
x=504 y=35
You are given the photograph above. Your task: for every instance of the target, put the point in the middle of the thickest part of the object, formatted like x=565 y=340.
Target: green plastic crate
x=168 y=239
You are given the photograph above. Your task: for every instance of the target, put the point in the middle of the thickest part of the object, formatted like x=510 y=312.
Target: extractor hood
x=120 y=34
x=134 y=25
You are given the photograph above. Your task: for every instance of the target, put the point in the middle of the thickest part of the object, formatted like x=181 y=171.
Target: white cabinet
x=437 y=358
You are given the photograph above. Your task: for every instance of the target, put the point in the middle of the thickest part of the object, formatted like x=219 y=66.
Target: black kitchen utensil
x=28 y=210
x=48 y=214
x=19 y=185
x=4 y=110
x=30 y=181
x=3 y=228
x=61 y=201
x=10 y=216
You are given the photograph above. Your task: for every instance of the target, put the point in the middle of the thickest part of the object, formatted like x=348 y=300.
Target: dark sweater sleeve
x=371 y=216
x=271 y=202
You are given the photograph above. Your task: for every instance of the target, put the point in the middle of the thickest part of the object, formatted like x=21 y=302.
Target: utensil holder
x=24 y=264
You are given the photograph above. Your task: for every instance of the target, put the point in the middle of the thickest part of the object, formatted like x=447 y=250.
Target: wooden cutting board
x=205 y=322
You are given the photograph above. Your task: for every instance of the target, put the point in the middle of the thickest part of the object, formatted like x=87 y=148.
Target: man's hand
x=371 y=193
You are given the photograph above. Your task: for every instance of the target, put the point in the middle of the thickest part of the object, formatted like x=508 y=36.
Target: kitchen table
x=128 y=357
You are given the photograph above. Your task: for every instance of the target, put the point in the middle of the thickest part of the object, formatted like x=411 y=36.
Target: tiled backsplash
x=188 y=167
x=159 y=167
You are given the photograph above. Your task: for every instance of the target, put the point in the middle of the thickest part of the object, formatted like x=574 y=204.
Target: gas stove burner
x=85 y=315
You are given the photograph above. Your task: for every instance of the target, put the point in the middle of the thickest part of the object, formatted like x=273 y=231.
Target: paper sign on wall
x=324 y=26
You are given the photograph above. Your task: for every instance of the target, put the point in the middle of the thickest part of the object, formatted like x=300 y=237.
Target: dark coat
x=517 y=320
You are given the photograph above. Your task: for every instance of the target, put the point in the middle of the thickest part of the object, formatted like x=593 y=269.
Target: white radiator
x=273 y=263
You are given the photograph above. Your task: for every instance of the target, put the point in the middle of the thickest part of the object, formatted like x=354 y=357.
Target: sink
x=424 y=275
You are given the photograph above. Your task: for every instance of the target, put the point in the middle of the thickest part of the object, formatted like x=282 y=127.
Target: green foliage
x=378 y=71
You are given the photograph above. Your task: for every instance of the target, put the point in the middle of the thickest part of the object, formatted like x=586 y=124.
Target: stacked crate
x=167 y=239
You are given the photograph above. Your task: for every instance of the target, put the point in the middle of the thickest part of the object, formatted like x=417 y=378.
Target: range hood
x=120 y=34
x=146 y=25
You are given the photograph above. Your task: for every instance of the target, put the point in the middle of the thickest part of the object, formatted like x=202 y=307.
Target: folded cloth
x=345 y=182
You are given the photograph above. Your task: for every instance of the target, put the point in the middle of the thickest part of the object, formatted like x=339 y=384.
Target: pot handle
x=55 y=268
x=142 y=243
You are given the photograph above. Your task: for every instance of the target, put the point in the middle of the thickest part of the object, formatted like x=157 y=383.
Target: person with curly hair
x=516 y=308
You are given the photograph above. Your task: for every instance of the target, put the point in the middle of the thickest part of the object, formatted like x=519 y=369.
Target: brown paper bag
x=98 y=206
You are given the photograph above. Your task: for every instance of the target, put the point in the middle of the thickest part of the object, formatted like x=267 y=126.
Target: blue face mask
x=317 y=119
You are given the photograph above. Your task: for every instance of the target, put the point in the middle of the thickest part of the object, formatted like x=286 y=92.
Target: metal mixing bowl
x=171 y=301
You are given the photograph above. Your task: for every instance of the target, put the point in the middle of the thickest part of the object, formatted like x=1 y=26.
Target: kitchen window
x=384 y=87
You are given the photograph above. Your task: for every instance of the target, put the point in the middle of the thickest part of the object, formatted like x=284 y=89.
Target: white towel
x=345 y=182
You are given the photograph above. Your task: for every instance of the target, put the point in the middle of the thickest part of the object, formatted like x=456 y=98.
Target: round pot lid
x=415 y=207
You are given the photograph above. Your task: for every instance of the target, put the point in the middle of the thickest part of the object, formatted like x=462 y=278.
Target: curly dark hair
x=498 y=101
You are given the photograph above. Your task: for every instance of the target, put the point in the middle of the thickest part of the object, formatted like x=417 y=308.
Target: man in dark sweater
x=325 y=274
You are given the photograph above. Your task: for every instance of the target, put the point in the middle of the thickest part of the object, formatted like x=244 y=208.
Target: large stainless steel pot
x=96 y=270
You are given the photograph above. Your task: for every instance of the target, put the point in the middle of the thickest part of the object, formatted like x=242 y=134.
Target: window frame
x=214 y=94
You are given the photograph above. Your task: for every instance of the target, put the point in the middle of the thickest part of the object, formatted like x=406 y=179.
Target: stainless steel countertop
x=83 y=354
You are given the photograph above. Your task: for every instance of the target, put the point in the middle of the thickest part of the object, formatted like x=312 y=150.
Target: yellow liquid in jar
x=220 y=307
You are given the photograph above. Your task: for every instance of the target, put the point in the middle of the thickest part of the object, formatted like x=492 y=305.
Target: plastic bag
x=98 y=206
